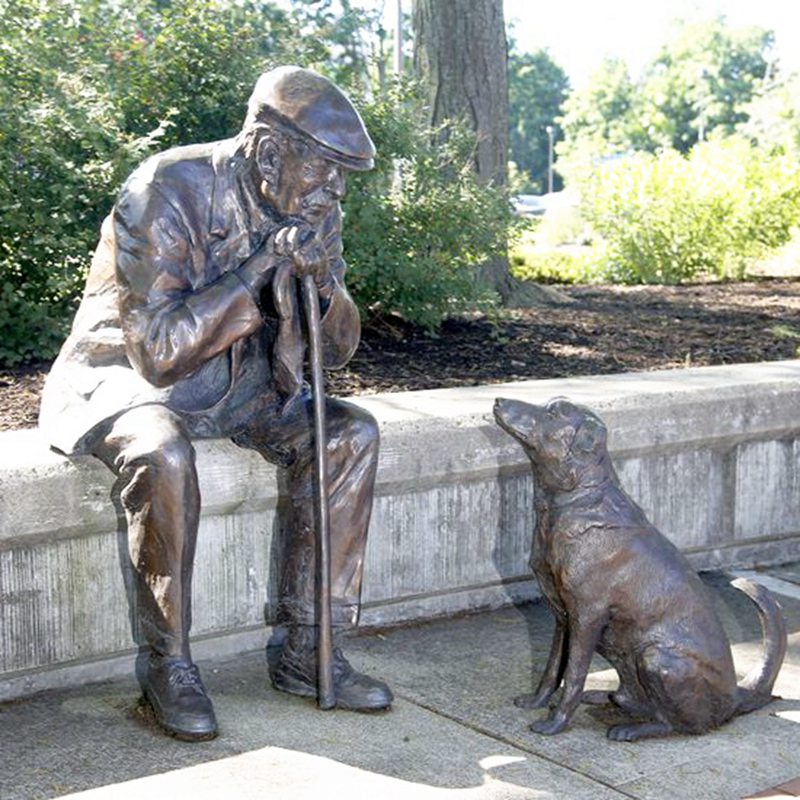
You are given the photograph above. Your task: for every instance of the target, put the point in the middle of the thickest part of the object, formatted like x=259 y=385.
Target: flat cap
x=316 y=107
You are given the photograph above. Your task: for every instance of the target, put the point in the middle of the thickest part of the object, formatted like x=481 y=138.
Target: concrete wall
x=712 y=454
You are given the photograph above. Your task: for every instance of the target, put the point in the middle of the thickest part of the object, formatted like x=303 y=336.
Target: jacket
x=164 y=317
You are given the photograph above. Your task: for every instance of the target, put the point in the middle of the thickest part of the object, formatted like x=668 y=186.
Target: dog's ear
x=590 y=435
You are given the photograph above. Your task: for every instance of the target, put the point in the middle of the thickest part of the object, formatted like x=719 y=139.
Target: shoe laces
x=185 y=676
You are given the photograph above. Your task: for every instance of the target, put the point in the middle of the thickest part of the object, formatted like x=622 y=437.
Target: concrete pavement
x=453 y=732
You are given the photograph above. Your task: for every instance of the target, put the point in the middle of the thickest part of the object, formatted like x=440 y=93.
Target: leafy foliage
x=88 y=88
x=702 y=81
x=669 y=188
x=773 y=117
x=600 y=119
x=420 y=224
x=670 y=218
x=61 y=143
x=537 y=89
x=552 y=266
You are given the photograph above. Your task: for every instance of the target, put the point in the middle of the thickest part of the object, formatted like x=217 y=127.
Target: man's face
x=308 y=185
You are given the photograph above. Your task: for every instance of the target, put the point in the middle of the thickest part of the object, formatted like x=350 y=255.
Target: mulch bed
x=601 y=330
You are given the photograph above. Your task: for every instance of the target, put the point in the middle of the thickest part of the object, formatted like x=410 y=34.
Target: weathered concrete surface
x=453 y=733
x=712 y=454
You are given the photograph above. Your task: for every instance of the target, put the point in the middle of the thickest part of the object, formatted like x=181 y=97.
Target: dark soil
x=603 y=329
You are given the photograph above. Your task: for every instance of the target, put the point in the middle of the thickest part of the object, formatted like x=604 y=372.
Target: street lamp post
x=550 y=131
x=398 y=38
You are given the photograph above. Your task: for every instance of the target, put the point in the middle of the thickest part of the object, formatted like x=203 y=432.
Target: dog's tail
x=755 y=690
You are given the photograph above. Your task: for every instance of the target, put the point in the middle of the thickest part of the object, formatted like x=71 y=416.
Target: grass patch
x=785 y=332
x=531 y=260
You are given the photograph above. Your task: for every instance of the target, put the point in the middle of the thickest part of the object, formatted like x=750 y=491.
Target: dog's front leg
x=582 y=639
x=553 y=671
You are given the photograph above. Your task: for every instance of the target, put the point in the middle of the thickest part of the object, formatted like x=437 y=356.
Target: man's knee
x=174 y=457
x=357 y=431
x=153 y=438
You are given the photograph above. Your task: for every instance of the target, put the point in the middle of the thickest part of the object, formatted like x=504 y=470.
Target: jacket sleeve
x=171 y=326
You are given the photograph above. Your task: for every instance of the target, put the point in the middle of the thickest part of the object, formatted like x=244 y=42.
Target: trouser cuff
x=344 y=614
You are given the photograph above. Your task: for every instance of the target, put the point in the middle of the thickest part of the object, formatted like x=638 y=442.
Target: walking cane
x=326 y=697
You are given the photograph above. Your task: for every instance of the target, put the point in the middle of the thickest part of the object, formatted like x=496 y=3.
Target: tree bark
x=461 y=53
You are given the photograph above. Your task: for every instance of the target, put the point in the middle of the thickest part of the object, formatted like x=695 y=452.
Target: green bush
x=61 y=147
x=668 y=218
x=71 y=129
x=418 y=226
x=533 y=257
x=88 y=88
x=553 y=266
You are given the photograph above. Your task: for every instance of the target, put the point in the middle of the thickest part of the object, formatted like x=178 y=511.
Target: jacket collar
x=239 y=219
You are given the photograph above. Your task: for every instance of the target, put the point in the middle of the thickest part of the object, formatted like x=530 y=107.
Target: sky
x=579 y=34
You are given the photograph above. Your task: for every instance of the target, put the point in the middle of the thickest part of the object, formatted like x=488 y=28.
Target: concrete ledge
x=712 y=454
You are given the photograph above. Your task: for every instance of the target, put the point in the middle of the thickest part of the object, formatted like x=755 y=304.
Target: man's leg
x=352 y=442
x=151 y=454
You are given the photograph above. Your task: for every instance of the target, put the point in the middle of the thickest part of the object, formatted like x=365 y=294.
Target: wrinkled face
x=559 y=438
x=301 y=183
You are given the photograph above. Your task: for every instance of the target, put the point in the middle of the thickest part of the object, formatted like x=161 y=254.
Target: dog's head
x=564 y=441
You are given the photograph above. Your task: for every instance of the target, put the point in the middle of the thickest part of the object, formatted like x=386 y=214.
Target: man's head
x=303 y=133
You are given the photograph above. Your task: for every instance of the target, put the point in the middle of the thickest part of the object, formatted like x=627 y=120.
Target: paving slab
x=453 y=733
x=98 y=742
x=493 y=657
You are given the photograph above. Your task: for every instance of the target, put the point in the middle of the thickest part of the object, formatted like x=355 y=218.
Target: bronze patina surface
x=617 y=586
x=191 y=326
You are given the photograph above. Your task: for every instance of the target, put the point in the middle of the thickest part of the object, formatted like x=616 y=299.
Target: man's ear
x=269 y=161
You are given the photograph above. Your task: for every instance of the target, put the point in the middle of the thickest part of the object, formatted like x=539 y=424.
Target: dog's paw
x=532 y=699
x=550 y=726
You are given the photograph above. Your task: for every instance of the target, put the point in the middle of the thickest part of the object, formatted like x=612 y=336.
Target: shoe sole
x=176 y=733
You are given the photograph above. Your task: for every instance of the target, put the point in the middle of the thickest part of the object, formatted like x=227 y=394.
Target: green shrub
x=418 y=226
x=89 y=88
x=538 y=255
x=59 y=139
x=667 y=218
x=563 y=224
x=553 y=266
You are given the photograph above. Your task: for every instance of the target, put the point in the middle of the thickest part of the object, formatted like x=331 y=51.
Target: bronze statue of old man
x=189 y=327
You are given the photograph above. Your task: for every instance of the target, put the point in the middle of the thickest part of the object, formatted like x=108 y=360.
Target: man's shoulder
x=181 y=178
x=182 y=167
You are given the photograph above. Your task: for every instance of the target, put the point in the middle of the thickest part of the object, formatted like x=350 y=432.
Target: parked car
x=528 y=205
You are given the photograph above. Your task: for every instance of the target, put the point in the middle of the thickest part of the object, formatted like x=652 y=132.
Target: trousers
x=150 y=450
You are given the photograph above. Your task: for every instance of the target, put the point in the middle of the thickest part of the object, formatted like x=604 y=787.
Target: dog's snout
x=501 y=408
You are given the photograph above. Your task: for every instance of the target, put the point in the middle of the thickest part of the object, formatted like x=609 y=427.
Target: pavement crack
x=512 y=743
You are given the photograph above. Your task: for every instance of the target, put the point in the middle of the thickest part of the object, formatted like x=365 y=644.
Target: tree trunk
x=460 y=51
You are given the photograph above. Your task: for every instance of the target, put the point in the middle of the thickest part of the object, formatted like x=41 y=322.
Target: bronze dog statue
x=619 y=587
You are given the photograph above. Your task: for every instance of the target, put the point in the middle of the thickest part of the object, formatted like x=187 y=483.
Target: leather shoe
x=296 y=673
x=178 y=698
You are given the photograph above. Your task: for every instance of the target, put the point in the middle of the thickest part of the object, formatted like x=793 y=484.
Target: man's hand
x=255 y=272
x=299 y=241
